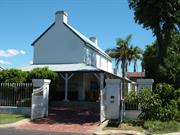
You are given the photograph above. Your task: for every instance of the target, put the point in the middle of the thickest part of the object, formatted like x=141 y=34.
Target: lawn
x=10 y=118
x=162 y=127
x=113 y=125
x=150 y=127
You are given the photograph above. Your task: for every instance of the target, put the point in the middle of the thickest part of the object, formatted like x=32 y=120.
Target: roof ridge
x=86 y=40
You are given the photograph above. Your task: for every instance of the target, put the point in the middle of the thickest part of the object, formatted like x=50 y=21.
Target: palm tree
x=142 y=64
x=121 y=54
x=135 y=54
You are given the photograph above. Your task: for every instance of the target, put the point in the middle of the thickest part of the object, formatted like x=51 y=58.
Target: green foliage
x=13 y=76
x=132 y=97
x=167 y=69
x=161 y=105
x=25 y=102
x=45 y=73
x=162 y=59
x=42 y=73
x=161 y=16
x=18 y=76
x=124 y=53
x=165 y=91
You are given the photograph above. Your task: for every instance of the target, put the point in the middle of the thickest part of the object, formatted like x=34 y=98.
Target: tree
x=121 y=53
x=167 y=70
x=161 y=16
x=135 y=54
x=13 y=76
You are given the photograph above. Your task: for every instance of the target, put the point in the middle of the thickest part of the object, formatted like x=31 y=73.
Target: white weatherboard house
x=81 y=64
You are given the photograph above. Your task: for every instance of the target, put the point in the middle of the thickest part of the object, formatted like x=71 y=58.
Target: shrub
x=166 y=92
x=25 y=102
x=44 y=73
x=13 y=76
x=162 y=105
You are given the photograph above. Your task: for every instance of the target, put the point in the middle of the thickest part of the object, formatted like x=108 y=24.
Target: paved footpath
x=13 y=131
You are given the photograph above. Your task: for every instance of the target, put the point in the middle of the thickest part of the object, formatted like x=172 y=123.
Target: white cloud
x=3 y=62
x=22 y=52
x=11 y=52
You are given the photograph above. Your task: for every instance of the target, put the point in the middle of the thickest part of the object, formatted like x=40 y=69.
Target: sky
x=22 y=21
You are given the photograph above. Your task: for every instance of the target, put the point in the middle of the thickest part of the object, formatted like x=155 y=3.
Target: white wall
x=131 y=114
x=58 y=45
x=93 y=58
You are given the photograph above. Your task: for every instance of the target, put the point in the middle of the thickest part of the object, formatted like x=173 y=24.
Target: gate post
x=113 y=98
x=40 y=98
x=102 y=95
x=145 y=83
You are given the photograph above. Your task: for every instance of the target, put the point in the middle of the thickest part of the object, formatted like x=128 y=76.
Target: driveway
x=66 y=119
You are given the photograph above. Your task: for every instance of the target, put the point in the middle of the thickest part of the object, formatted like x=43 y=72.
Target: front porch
x=80 y=86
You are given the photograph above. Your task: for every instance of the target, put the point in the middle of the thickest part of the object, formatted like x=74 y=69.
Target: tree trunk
x=123 y=90
x=159 y=37
x=134 y=67
x=123 y=77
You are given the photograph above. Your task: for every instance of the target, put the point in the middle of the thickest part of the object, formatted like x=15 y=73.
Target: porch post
x=66 y=87
x=102 y=107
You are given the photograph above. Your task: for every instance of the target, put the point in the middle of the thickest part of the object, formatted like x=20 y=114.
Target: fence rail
x=133 y=106
x=16 y=94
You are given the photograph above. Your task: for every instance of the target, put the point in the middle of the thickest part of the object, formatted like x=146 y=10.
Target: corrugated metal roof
x=69 y=68
x=87 y=40
x=62 y=67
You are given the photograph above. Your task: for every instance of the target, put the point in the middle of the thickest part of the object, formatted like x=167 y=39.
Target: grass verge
x=114 y=125
x=151 y=127
x=10 y=118
x=162 y=127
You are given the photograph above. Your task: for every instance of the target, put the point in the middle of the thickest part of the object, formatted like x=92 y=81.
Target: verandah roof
x=62 y=67
x=79 y=67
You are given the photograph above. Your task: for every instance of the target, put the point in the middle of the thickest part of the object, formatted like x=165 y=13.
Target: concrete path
x=13 y=131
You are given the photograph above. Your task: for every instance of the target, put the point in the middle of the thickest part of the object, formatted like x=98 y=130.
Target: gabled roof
x=86 y=40
x=43 y=33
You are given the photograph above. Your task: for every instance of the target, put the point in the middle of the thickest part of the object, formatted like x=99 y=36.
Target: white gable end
x=62 y=44
x=58 y=45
